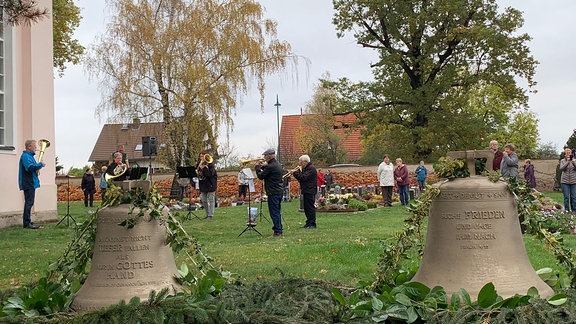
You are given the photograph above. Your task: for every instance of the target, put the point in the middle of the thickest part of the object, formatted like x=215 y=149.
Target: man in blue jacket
x=28 y=180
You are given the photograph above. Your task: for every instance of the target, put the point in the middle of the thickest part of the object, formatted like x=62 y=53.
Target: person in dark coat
x=307 y=176
x=88 y=186
x=329 y=178
x=272 y=174
x=111 y=169
x=207 y=182
x=529 y=173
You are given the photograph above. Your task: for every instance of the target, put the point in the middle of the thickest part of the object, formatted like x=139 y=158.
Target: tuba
x=204 y=161
x=118 y=171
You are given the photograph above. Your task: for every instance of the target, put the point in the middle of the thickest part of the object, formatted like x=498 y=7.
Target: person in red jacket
x=402 y=181
x=497 y=155
x=319 y=183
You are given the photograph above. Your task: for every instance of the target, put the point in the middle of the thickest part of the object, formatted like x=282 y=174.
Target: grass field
x=344 y=248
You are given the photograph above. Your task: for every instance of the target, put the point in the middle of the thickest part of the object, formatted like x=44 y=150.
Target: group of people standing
x=273 y=174
x=389 y=174
x=506 y=162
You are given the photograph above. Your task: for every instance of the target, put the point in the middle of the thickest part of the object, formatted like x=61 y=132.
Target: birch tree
x=185 y=63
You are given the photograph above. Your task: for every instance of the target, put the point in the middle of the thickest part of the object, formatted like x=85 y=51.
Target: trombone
x=298 y=168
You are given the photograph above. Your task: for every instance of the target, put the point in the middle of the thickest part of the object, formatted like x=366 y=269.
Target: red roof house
x=293 y=127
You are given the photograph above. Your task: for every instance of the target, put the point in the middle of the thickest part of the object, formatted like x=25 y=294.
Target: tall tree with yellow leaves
x=185 y=63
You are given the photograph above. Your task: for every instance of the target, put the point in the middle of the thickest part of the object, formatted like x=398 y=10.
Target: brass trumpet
x=44 y=143
x=298 y=168
x=246 y=161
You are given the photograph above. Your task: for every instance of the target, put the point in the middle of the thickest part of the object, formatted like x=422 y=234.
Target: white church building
x=26 y=112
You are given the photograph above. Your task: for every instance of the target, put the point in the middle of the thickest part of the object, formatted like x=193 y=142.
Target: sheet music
x=248 y=173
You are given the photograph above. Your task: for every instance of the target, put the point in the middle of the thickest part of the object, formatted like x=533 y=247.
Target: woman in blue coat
x=421 y=174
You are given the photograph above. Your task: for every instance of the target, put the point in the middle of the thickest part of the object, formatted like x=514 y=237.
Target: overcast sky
x=306 y=25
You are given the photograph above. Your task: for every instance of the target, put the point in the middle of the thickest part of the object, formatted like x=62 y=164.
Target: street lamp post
x=277 y=104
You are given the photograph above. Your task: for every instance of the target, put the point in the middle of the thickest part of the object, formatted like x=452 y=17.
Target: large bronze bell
x=126 y=262
x=474 y=238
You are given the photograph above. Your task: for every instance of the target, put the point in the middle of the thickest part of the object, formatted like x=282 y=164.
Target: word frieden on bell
x=474 y=238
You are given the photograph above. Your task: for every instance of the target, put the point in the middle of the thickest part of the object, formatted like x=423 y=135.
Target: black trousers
x=88 y=195
x=309 y=209
x=242 y=191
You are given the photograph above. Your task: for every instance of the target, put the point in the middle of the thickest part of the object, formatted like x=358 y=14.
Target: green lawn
x=344 y=248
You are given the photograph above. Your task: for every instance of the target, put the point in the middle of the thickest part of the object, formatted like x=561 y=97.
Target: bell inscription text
x=474 y=238
x=136 y=259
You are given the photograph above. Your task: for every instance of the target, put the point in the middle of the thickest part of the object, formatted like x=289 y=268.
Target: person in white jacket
x=386 y=178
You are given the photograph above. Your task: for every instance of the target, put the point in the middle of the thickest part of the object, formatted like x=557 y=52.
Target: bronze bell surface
x=126 y=262
x=474 y=238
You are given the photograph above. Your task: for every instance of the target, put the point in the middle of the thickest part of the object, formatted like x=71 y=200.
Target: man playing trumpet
x=272 y=173
x=28 y=180
x=307 y=176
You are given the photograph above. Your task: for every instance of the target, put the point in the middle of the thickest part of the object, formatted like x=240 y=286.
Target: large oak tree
x=446 y=76
x=185 y=63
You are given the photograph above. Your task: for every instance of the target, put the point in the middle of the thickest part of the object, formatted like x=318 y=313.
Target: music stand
x=261 y=212
x=137 y=172
x=251 y=224
x=67 y=217
x=188 y=172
